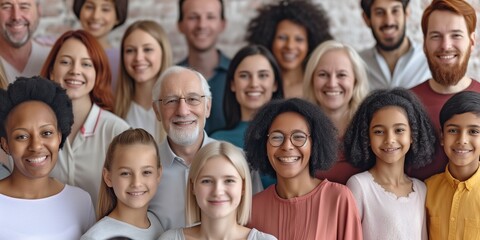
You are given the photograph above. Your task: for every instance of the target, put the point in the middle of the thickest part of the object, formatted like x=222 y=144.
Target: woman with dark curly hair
x=390 y=131
x=78 y=63
x=35 y=120
x=291 y=139
x=290 y=29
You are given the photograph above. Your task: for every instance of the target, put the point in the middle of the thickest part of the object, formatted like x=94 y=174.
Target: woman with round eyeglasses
x=291 y=139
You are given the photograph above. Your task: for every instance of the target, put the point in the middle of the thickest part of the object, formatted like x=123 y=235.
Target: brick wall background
x=345 y=18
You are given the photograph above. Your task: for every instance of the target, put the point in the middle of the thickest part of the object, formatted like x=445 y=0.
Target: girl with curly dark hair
x=290 y=29
x=390 y=131
x=291 y=139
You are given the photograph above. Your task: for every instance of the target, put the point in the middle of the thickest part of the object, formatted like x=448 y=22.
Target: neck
x=81 y=109
x=143 y=94
x=463 y=173
x=389 y=174
x=187 y=152
x=17 y=57
x=340 y=119
x=296 y=187
x=136 y=217
x=104 y=42
x=246 y=114
x=204 y=62
x=391 y=57
x=224 y=228
x=292 y=82
x=463 y=84
x=18 y=186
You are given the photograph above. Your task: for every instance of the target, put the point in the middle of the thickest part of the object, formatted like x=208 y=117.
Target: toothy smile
x=288 y=159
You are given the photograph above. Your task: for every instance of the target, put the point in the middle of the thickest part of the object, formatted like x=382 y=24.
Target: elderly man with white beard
x=449 y=37
x=182 y=102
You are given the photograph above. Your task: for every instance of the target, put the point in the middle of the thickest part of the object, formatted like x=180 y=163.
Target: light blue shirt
x=411 y=68
x=168 y=204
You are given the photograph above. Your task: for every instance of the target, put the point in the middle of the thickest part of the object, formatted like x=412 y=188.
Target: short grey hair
x=177 y=69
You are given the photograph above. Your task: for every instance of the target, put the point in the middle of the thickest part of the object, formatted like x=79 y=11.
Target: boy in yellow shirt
x=453 y=197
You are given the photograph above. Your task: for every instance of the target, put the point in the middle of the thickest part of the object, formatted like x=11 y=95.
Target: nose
x=202 y=21
x=332 y=80
x=183 y=109
x=97 y=12
x=75 y=68
x=254 y=81
x=138 y=54
x=389 y=19
x=389 y=137
x=136 y=180
x=219 y=188
x=15 y=14
x=35 y=143
x=287 y=144
x=462 y=138
x=446 y=43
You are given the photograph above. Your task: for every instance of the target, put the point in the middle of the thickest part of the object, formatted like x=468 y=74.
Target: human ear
x=106 y=177
x=4 y=143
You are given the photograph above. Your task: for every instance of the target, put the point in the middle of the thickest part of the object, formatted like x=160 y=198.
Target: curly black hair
x=231 y=107
x=462 y=102
x=261 y=29
x=322 y=133
x=357 y=141
x=37 y=89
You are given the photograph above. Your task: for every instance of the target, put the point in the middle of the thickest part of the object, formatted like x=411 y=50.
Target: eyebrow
x=394 y=125
x=469 y=126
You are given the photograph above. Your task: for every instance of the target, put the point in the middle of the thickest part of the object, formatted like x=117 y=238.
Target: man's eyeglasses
x=173 y=101
x=298 y=139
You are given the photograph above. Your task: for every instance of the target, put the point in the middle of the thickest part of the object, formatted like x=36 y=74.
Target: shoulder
x=358 y=180
x=257 y=235
x=172 y=234
x=265 y=195
x=103 y=229
x=435 y=180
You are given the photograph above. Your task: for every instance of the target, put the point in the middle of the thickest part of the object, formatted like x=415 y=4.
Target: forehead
x=389 y=114
x=256 y=61
x=337 y=57
x=468 y=118
x=289 y=121
x=72 y=46
x=24 y=111
x=386 y=4
x=218 y=166
x=288 y=26
x=180 y=84
x=441 y=20
x=31 y=2
x=201 y=6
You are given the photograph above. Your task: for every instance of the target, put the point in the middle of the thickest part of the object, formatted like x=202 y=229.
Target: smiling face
x=32 y=139
x=287 y=160
x=447 y=47
x=134 y=175
x=253 y=84
x=390 y=135
x=290 y=45
x=183 y=123
x=387 y=22
x=333 y=81
x=18 y=21
x=74 y=70
x=461 y=141
x=142 y=56
x=201 y=23
x=98 y=17
x=218 y=189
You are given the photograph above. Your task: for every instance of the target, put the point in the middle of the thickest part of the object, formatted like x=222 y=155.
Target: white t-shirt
x=386 y=216
x=66 y=215
x=177 y=234
x=139 y=117
x=34 y=65
x=109 y=227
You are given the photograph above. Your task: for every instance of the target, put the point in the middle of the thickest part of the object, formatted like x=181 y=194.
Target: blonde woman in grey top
x=219 y=196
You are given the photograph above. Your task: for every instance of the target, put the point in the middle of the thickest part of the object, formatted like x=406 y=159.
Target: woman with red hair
x=78 y=63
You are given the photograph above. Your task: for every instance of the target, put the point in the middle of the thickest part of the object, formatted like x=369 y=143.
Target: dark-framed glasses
x=298 y=138
x=173 y=101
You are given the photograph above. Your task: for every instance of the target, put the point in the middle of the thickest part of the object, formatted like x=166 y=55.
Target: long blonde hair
x=237 y=159
x=107 y=200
